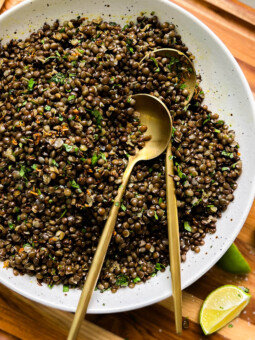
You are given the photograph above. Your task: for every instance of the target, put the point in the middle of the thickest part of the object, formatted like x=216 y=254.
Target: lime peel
x=234 y=262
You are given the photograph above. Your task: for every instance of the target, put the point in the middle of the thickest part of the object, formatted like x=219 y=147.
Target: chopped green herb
x=123 y=207
x=11 y=225
x=155 y=215
x=150 y=170
x=22 y=171
x=68 y=147
x=125 y=27
x=207 y=119
x=50 y=286
x=20 y=145
x=183 y=86
x=30 y=84
x=173 y=61
x=227 y=154
x=62 y=30
x=156 y=64
x=94 y=159
x=225 y=168
x=47 y=108
x=53 y=162
x=98 y=117
x=61 y=118
x=63 y=213
x=173 y=131
x=39 y=192
x=179 y=172
x=230 y=325
x=75 y=185
x=171 y=157
x=71 y=97
x=72 y=75
x=116 y=204
x=159 y=266
x=216 y=131
x=136 y=279
x=65 y=288
x=220 y=122
x=102 y=155
x=58 y=78
x=187 y=226
x=160 y=200
x=122 y=280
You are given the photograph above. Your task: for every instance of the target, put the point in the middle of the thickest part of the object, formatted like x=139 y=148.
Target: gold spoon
x=155 y=115
x=189 y=79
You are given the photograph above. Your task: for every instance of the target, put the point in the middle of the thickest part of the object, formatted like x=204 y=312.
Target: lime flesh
x=222 y=306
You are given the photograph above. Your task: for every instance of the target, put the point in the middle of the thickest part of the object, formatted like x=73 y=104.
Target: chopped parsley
x=207 y=119
x=122 y=280
x=160 y=200
x=123 y=207
x=187 y=226
x=94 y=159
x=58 y=78
x=136 y=279
x=68 y=147
x=34 y=166
x=98 y=117
x=227 y=154
x=65 y=288
x=53 y=162
x=71 y=97
x=225 y=168
x=156 y=216
x=75 y=185
x=47 y=107
x=11 y=225
x=173 y=61
x=183 y=86
x=156 y=64
x=30 y=84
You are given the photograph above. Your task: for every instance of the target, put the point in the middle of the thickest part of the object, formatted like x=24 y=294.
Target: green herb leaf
x=216 y=130
x=230 y=325
x=61 y=118
x=136 y=279
x=11 y=225
x=179 y=172
x=58 y=78
x=68 y=147
x=63 y=213
x=173 y=61
x=76 y=185
x=159 y=266
x=116 y=204
x=65 y=288
x=156 y=64
x=160 y=200
x=220 y=122
x=122 y=280
x=53 y=162
x=30 y=84
x=34 y=166
x=187 y=226
x=183 y=86
x=71 y=97
x=173 y=131
x=155 y=215
x=94 y=159
x=123 y=207
x=47 y=107
x=225 y=168
x=62 y=30
x=98 y=117
x=207 y=119
x=22 y=171
x=227 y=154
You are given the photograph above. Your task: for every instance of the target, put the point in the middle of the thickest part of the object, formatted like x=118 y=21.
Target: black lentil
x=67 y=128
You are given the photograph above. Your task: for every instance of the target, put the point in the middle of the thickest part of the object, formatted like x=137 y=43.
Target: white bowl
x=227 y=92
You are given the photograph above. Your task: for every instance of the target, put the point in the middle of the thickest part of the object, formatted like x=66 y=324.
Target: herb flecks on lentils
x=67 y=128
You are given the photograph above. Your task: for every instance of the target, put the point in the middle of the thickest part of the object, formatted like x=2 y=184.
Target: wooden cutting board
x=22 y=319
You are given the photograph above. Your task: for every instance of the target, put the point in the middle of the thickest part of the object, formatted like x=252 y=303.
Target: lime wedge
x=222 y=306
x=234 y=262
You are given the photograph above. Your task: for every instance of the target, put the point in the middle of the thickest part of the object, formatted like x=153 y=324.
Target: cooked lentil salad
x=67 y=127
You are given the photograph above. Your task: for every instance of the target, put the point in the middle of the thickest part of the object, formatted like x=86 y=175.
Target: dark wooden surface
x=24 y=319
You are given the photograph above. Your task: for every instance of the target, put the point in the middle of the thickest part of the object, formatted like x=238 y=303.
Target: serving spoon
x=155 y=115
x=188 y=81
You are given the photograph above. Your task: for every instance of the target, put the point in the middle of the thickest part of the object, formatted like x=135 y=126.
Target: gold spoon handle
x=99 y=256
x=174 y=241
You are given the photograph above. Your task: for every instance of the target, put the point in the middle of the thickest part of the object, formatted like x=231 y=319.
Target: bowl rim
x=250 y=195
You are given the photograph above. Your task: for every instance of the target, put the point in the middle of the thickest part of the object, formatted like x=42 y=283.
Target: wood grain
x=24 y=319
x=236 y=8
